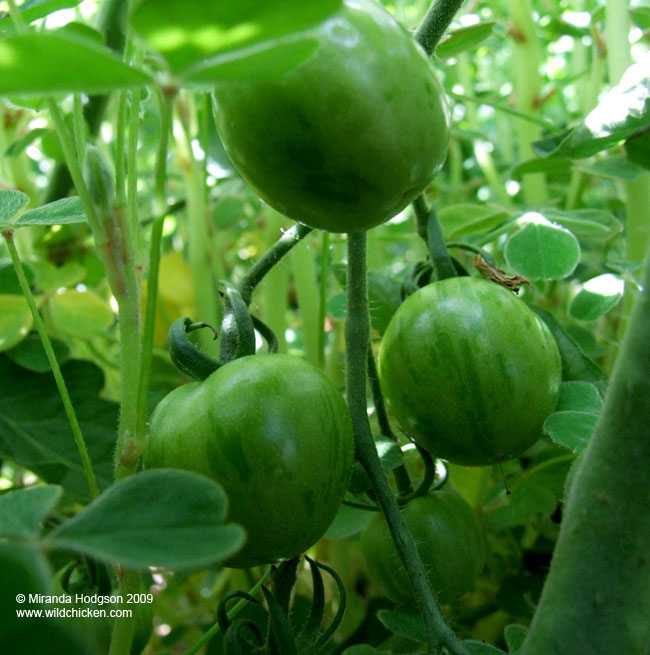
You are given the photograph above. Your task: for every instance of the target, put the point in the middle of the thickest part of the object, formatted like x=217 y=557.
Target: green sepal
x=338 y=618
x=186 y=356
x=280 y=640
x=237 y=330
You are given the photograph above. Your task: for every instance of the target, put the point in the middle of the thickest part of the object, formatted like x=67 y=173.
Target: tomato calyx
x=186 y=356
x=280 y=633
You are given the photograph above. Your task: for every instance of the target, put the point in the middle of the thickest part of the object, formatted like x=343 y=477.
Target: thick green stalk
x=123 y=628
x=167 y=96
x=526 y=61
x=132 y=169
x=357 y=336
x=435 y=23
x=597 y=596
x=54 y=365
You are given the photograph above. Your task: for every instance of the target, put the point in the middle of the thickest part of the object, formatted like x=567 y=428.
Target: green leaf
x=620 y=114
x=542 y=165
x=11 y=202
x=348 y=521
x=23 y=510
x=404 y=621
x=50 y=278
x=24 y=570
x=51 y=146
x=270 y=63
x=192 y=31
x=641 y=16
x=530 y=501
x=535 y=494
x=571 y=429
x=59 y=212
x=365 y=649
x=80 y=314
x=30 y=354
x=32 y=10
x=9 y=280
x=594 y=225
x=542 y=250
x=34 y=429
x=575 y=417
x=465 y=38
x=458 y=220
x=72 y=65
x=164 y=517
x=16 y=320
x=596 y=297
x=579 y=396
x=19 y=145
x=611 y=167
x=637 y=149
x=481 y=648
x=515 y=635
x=575 y=364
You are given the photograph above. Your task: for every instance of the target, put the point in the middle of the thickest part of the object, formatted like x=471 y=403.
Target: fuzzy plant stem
x=160 y=205
x=357 y=338
x=54 y=365
x=270 y=258
x=435 y=23
x=113 y=242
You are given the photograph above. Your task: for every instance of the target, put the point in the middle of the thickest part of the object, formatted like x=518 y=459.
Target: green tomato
x=449 y=540
x=469 y=371
x=276 y=434
x=345 y=140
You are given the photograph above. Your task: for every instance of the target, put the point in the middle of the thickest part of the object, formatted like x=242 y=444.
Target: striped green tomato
x=469 y=371
x=348 y=138
x=276 y=434
x=449 y=540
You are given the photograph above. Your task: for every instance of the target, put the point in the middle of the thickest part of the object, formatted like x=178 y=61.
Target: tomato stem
x=357 y=337
x=400 y=473
x=435 y=23
x=270 y=258
x=166 y=99
x=430 y=230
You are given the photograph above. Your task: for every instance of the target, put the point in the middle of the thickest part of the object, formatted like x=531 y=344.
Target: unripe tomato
x=449 y=540
x=348 y=138
x=276 y=434
x=469 y=371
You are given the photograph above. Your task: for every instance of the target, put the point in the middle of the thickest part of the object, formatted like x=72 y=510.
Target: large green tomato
x=449 y=540
x=469 y=371
x=347 y=139
x=276 y=434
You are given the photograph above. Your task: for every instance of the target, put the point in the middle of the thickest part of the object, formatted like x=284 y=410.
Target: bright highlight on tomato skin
x=347 y=139
x=469 y=371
